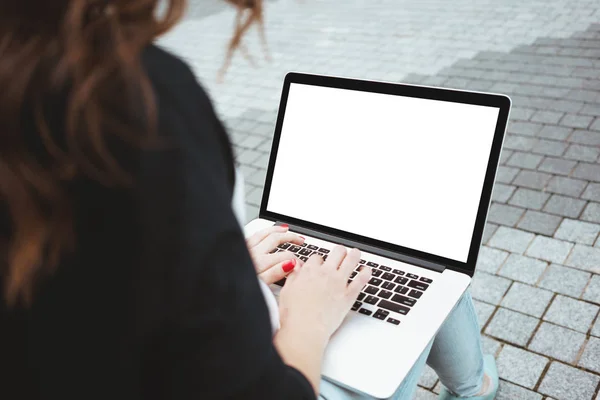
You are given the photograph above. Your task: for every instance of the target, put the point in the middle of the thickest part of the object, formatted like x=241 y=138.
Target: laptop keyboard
x=391 y=290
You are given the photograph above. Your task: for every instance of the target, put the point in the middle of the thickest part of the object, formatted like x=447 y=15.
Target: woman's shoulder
x=159 y=60
x=167 y=71
x=186 y=110
x=176 y=85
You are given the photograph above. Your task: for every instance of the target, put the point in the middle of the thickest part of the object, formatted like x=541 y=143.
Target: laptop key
x=356 y=305
x=319 y=254
x=362 y=262
x=376 y=272
x=294 y=249
x=372 y=264
x=388 y=277
x=371 y=290
x=382 y=312
x=305 y=252
x=398 y=272
x=303 y=245
x=415 y=293
x=273 y=251
x=388 y=305
x=284 y=246
x=321 y=250
x=361 y=296
x=407 y=301
x=426 y=280
x=365 y=311
x=388 y=285
x=412 y=276
x=375 y=281
x=325 y=257
x=305 y=259
x=401 y=290
x=418 y=285
x=379 y=316
x=384 y=294
x=383 y=267
x=371 y=300
x=353 y=274
x=401 y=280
x=393 y=321
x=313 y=247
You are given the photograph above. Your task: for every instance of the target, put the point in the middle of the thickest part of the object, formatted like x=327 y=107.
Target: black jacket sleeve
x=214 y=339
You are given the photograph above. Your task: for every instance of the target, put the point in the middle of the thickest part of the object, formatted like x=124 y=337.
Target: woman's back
x=97 y=326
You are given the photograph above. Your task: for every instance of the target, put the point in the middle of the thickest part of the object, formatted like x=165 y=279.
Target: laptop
x=405 y=174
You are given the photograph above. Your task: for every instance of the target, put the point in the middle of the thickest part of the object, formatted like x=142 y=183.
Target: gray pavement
x=537 y=288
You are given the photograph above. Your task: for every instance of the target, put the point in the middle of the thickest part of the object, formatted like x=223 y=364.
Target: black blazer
x=160 y=299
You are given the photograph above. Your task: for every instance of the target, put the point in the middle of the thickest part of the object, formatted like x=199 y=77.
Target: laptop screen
x=403 y=170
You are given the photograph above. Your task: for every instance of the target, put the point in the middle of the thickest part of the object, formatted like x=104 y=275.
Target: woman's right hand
x=317 y=295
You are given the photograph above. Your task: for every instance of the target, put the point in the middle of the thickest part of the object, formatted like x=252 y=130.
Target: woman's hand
x=273 y=267
x=318 y=296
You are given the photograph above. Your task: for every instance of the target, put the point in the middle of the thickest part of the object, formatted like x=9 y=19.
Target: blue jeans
x=455 y=355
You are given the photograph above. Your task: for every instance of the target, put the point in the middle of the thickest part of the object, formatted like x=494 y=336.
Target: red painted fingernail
x=288 y=266
x=285 y=226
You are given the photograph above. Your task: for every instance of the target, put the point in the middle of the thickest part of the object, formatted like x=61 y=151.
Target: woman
x=125 y=273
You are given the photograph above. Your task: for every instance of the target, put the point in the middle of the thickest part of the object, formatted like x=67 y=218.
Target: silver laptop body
x=405 y=174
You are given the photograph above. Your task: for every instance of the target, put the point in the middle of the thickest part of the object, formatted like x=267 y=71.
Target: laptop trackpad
x=354 y=359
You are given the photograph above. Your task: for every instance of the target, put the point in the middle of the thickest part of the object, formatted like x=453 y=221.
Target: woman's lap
x=455 y=354
x=330 y=391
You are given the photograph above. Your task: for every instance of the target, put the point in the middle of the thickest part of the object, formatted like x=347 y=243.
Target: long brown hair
x=92 y=48
x=88 y=48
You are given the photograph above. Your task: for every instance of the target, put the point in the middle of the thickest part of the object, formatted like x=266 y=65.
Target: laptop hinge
x=368 y=248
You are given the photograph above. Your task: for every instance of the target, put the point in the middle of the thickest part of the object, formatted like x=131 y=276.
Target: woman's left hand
x=273 y=267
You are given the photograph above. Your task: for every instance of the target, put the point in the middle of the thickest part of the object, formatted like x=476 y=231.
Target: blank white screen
x=402 y=170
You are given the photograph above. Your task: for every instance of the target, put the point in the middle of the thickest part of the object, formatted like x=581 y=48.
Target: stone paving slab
x=512 y=240
x=592 y=292
x=491 y=259
x=520 y=366
x=571 y=313
x=557 y=342
x=512 y=327
x=523 y=269
x=553 y=250
x=538 y=281
x=567 y=383
x=590 y=359
x=527 y=299
x=484 y=312
x=585 y=258
x=509 y=391
x=565 y=280
x=490 y=346
x=489 y=288
x=527 y=198
x=578 y=232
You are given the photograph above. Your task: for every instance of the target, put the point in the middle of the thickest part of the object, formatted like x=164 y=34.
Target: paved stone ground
x=537 y=288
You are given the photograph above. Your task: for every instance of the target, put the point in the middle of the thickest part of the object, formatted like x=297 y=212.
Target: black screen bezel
x=501 y=102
